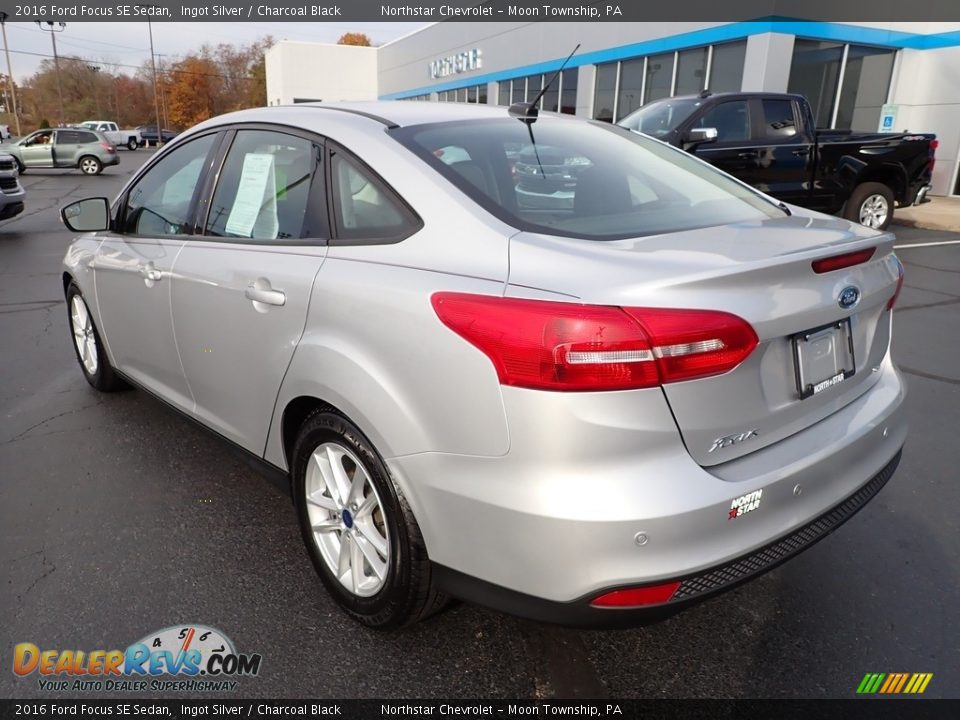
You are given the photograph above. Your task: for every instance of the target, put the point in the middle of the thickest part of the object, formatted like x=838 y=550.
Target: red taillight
x=107 y=146
x=637 y=597
x=896 y=293
x=934 y=144
x=838 y=262
x=570 y=347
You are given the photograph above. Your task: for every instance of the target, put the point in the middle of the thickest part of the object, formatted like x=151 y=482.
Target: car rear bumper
x=569 y=514
x=692 y=588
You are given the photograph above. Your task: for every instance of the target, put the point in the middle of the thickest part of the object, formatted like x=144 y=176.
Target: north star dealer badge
x=744 y=504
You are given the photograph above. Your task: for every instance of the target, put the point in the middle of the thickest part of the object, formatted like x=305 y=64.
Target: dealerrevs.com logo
x=187 y=658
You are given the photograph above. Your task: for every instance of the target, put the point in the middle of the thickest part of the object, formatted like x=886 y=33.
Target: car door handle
x=800 y=152
x=265 y=296
x=149 y=272
x=751 y=155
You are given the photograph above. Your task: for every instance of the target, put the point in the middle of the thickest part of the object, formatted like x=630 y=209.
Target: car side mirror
x=698 y=136
x=87 y=215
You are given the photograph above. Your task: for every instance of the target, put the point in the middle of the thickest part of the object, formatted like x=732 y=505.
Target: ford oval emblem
x=849 y=297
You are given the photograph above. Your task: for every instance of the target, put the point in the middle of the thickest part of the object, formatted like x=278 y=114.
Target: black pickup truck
x=770 y=141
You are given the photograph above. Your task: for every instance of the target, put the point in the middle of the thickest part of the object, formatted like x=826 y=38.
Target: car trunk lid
x=762 y=272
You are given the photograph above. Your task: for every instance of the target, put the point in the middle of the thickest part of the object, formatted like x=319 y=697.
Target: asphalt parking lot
x=118 y=518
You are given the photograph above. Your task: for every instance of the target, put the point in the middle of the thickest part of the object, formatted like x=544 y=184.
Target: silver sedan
x=595 y=411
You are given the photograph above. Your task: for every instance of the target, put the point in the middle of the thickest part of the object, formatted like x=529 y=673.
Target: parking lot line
x=929 y=244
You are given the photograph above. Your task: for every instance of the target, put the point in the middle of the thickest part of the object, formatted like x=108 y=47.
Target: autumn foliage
x=191 y=88
x=354 y=38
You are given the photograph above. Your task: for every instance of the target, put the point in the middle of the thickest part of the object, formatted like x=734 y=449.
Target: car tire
x=871 y=204
x=344 y=495
x=132 y=144
x=21 y=168
x=89 y=165
x=89 y=349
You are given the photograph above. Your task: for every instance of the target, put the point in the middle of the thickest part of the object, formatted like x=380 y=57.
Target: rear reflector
x=570 y=347
x=896 y=293
x=637 y=597
x=838 y=262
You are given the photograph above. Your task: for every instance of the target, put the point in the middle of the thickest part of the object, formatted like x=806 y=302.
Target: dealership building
x=865 y=76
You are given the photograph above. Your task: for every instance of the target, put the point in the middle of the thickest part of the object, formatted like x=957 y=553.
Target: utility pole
x=156 y=98
x=96 y=90
x=13 y=91
x=51 y=27
x=163 y=91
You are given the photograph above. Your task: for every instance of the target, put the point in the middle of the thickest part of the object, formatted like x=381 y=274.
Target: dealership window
x=630 y=92
x=605 y=92
x=560 y=95
x=846 y=84
x=519 y=91
x=624 y=87
x=659 y=77
x=470 y=94
x=568 y=91
x=534 y=85
x=726 y=67
x=814 y=74
x=691 y=71
x=866 y=80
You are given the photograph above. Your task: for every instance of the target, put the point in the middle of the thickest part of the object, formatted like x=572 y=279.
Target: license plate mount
x=823 y=357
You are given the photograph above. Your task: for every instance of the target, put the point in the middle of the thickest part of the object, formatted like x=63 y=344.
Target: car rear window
x=582 y=179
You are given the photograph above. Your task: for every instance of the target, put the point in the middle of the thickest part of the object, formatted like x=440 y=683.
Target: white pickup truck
x=129 y=139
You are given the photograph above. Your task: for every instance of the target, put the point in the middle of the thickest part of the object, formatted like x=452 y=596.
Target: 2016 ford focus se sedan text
x=590 y=390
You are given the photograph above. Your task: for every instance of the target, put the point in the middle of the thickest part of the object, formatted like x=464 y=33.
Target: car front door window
x=161 y=201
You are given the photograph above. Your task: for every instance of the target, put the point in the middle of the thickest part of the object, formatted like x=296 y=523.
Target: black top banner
x=486 y=11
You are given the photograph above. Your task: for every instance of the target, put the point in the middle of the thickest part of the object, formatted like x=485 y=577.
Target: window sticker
x=255 y=206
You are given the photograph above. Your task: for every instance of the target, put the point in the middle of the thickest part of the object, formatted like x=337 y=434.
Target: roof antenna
x=527 y=111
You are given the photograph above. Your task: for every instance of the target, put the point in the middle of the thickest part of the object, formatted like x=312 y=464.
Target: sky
x=120 y=43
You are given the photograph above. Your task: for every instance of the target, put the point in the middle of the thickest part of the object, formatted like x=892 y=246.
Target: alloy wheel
x=347 y=519
x=83 y=334
x=874 y=211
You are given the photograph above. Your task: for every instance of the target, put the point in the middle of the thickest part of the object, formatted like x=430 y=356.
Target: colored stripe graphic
x=894 y=683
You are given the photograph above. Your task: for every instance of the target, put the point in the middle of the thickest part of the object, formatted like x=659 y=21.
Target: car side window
x=364 y=208
x=264 y=188
x=779 y=120
x=159 y=202
x=67 y=137
x=731 y=119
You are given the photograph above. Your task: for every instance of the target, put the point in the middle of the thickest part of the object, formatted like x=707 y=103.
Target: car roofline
x=389 y=124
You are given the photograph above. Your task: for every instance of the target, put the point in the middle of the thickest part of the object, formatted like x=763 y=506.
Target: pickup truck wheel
x=871 y=204
x=132 y=144
x=89 y=165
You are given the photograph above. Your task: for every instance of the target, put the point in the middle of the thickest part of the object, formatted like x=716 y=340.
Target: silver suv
x=592 y=411
x=87 y=150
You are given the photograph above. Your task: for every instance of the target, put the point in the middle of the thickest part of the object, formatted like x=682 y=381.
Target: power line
x=169 y=71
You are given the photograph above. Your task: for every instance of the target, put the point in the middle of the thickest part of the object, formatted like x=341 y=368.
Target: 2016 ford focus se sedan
x=598 y=409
